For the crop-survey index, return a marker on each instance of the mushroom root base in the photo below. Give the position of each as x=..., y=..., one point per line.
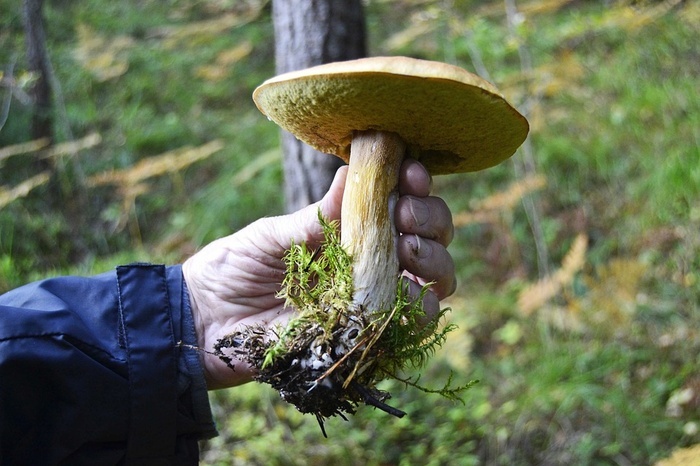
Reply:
x=330, y=356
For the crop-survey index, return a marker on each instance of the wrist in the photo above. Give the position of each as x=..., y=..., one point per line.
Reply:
x=217, y=373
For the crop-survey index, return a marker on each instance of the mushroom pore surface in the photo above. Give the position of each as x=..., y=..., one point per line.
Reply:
x=451, y=120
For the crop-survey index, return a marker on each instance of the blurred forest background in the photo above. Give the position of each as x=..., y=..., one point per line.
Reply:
x=578, y=259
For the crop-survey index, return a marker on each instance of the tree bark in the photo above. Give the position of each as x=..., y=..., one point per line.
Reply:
x=309, y=33
x=38, y=63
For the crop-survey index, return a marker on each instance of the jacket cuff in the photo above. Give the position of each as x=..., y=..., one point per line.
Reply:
x=190, y=360
x=166, y=380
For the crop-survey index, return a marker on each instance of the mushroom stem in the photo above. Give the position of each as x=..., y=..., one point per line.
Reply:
x=368, y=231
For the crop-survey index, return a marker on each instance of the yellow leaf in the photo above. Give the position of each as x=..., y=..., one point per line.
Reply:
x=409, y=35
x=233, y=55
x=536, y=295
x=105, y=58
x=197, y=32
x=487, y=210
x=73, y=147
x=690, y=13
x=213, y=73
x=168, y=162
x=689, y=456
x=7, y=195
x=69, y=147
x=224, y=62
x=543, y=6
x=256, y=166
x=23, y=148
x=513, y=194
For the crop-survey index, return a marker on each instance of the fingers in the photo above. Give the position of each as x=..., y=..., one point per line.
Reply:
x=332, y=201
x=414, y=179
x=430, y=261
x=428, y=217
x=416, y=212
x=426, y=228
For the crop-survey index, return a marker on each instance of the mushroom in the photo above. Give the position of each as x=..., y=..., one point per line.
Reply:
x=374, y=112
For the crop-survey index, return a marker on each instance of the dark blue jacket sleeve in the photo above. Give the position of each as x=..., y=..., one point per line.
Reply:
x=101, y=370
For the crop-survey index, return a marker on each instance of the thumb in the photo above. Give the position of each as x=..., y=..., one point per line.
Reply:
x=332, y=201
x=303, y=225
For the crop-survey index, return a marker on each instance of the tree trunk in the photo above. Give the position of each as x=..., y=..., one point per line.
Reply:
x=309, y=33
x=38, y=63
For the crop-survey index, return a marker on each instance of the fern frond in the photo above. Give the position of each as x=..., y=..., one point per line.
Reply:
x=447, y=390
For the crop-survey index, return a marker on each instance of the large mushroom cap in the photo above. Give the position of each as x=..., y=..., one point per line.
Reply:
x=452, y=120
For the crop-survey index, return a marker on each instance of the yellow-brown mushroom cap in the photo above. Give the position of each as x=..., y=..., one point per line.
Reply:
x=452, y=120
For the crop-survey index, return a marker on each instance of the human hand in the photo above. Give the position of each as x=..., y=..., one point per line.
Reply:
x=233, y=282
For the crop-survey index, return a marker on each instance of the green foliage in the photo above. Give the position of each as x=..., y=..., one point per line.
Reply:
x=321, y=280
x=318, y=285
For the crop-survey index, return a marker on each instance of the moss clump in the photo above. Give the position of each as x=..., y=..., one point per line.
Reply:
x=330, y=356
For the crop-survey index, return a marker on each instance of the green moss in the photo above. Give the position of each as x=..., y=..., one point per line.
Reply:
x=318, y=285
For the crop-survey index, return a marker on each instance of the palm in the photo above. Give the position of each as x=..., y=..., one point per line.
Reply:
x=237, y=277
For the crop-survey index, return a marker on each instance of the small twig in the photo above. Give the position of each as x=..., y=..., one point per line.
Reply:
x=180, y=344
x=372, y=400
x=340, y=361
x=374, y=338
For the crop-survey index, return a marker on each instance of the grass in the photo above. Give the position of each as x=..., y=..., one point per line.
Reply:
x=592, y=375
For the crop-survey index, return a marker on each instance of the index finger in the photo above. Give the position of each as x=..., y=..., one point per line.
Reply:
x=414, y=179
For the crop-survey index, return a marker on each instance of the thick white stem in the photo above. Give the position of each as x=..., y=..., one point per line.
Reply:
x=367, y=219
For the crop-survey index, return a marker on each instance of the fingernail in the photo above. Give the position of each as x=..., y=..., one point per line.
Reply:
x=420, y=212
x=422, y=249
x=425, y=173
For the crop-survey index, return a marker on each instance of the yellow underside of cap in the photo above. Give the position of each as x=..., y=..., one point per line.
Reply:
x=452, y=120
